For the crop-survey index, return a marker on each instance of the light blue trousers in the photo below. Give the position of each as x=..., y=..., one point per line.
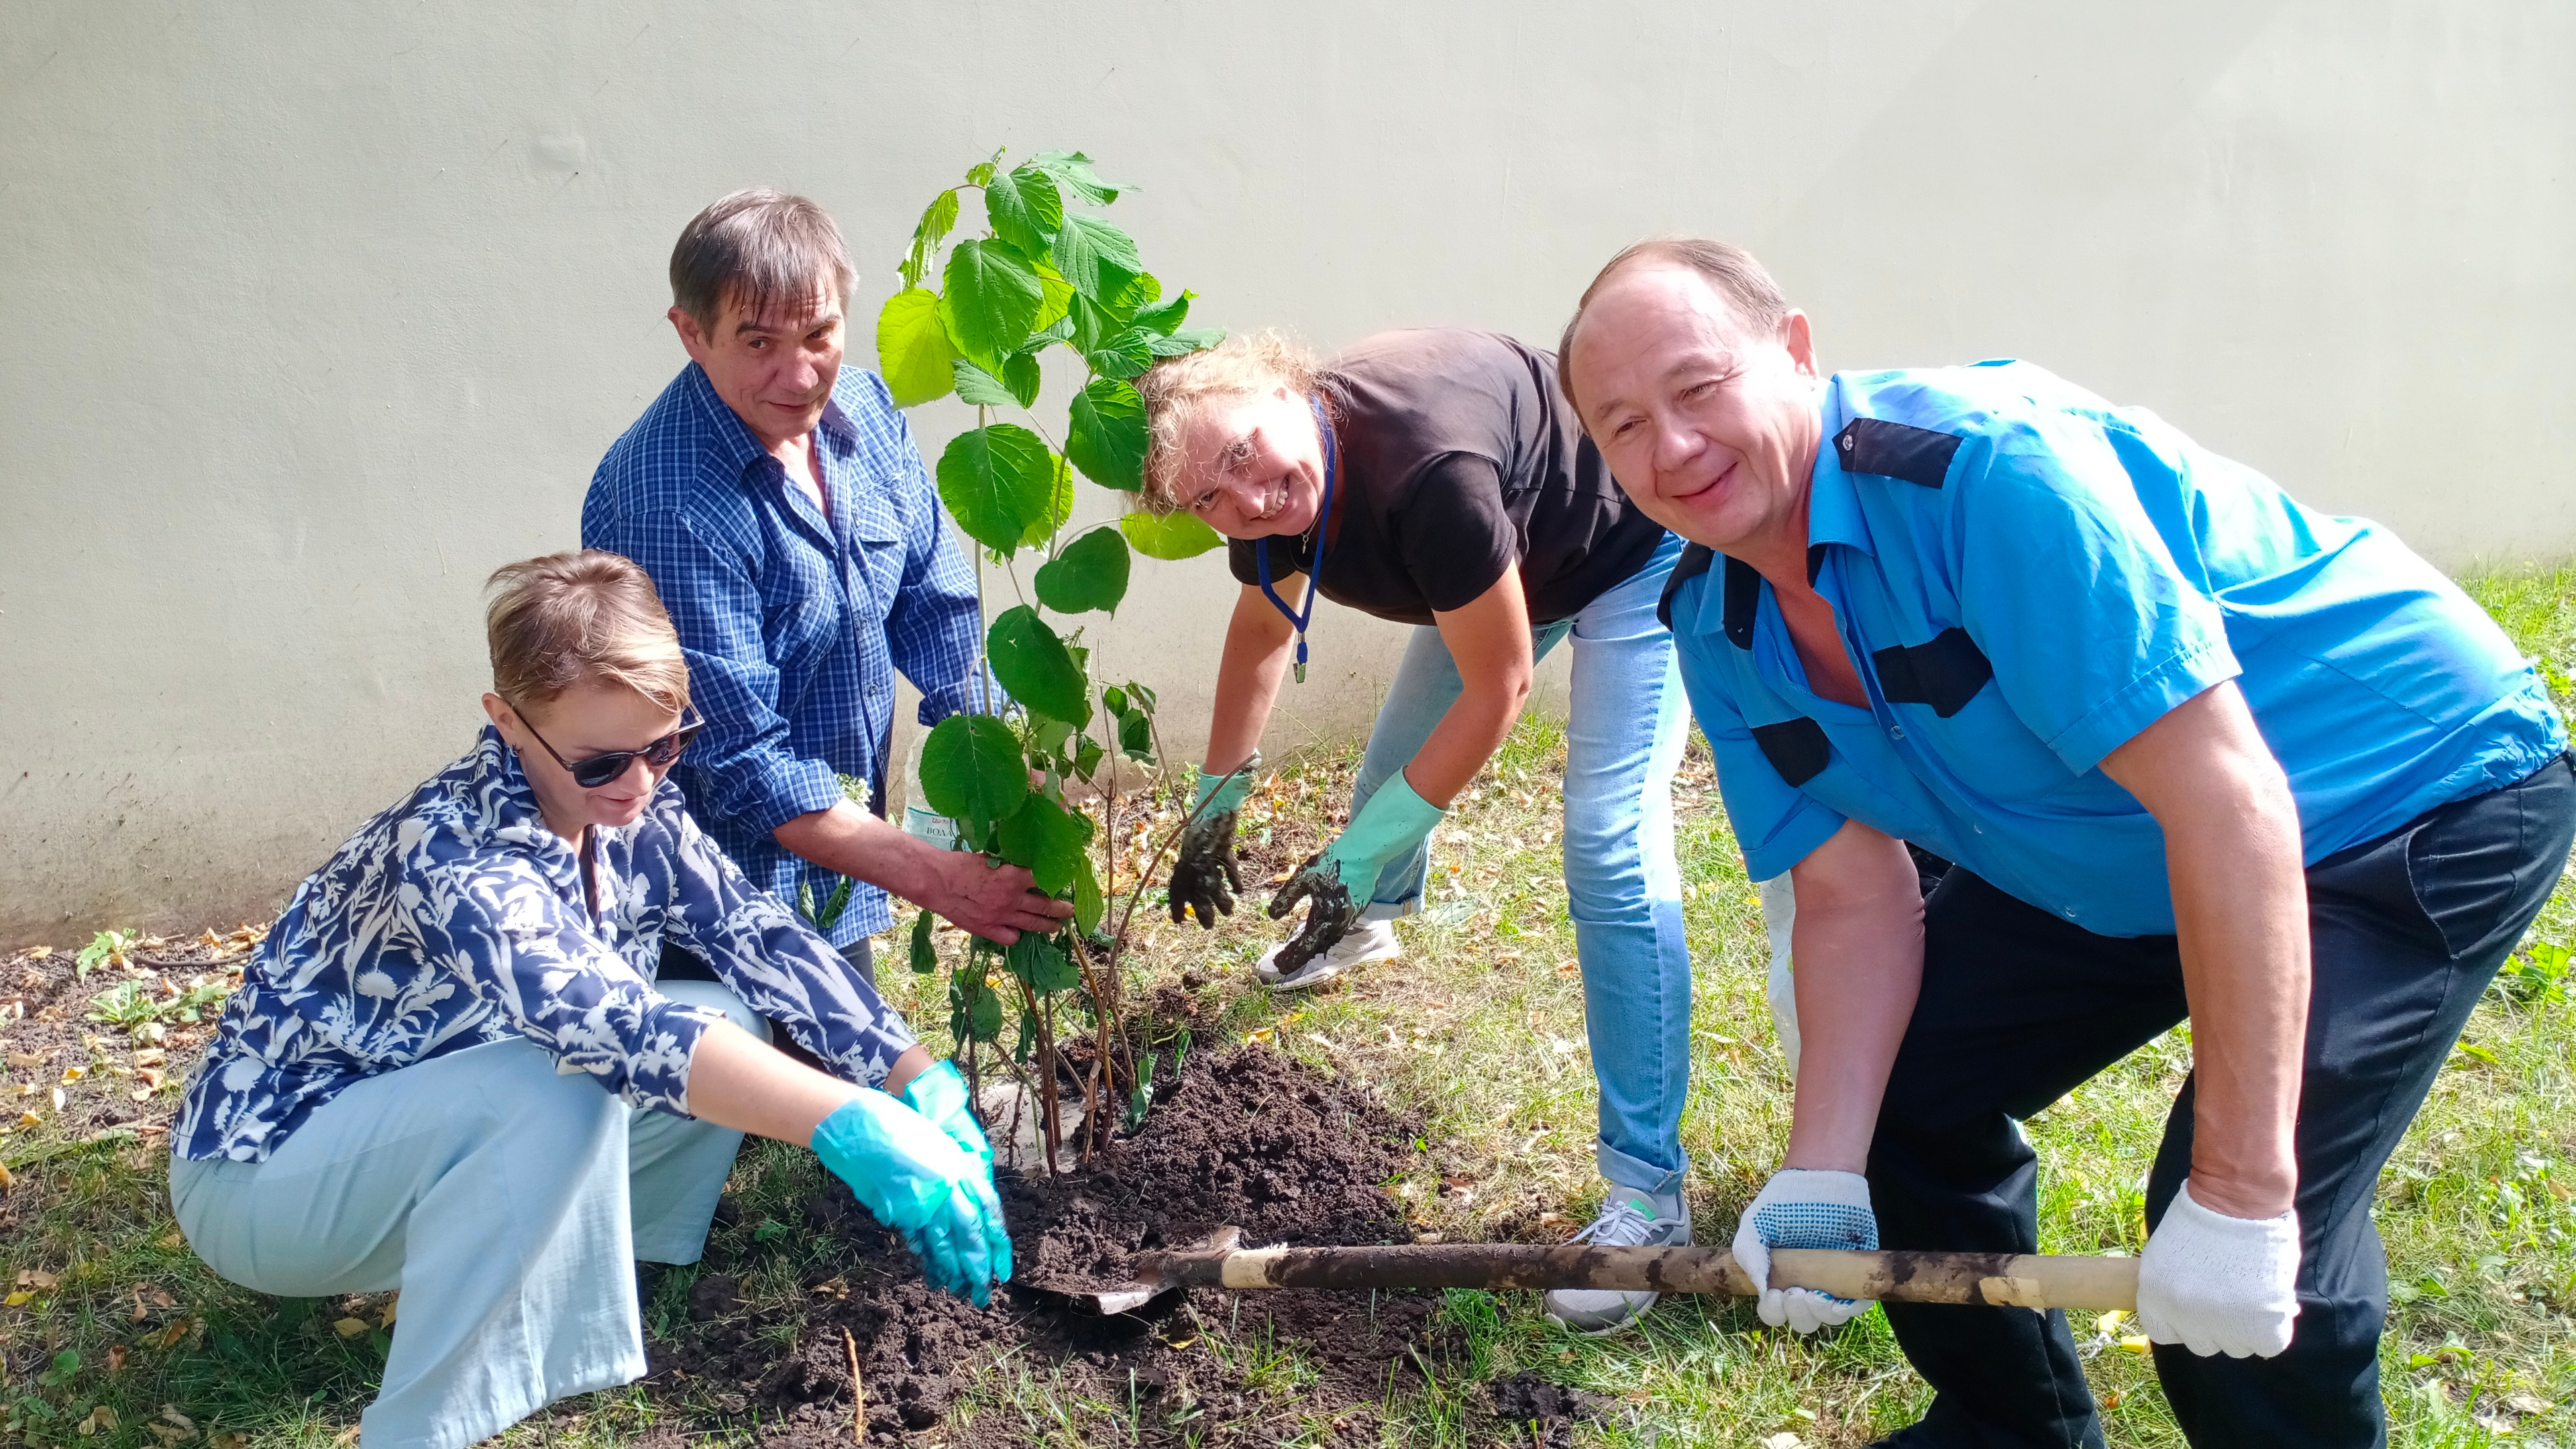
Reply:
x=506, y=1201
x=1624, y=740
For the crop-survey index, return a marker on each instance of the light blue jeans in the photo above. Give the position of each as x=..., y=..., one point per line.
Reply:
x=1623, y=741
x=507, y=1202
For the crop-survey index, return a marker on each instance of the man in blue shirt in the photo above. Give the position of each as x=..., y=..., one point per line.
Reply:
x=2197, y=752
x=784, y=514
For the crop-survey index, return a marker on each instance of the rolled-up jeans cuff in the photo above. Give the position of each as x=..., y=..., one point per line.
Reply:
x=1391, y=910
x=1636, y=1172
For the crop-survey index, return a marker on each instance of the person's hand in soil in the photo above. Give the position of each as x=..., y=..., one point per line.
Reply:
x=1339, y=878
x=940, y=1095
x=1205, y=878
x=918, y=1181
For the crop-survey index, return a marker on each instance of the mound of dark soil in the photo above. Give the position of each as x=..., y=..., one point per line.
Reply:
x=1246, y=1137
x=1530, y=1409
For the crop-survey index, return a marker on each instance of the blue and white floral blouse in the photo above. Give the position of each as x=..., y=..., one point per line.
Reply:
x=457, y=918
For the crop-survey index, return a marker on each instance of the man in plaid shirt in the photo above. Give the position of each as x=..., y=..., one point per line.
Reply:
x=784, y=514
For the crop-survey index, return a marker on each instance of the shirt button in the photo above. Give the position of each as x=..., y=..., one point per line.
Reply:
x=2070, y=913
x=1896, y=732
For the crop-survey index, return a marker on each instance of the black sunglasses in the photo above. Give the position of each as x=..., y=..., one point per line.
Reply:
x=599, y=770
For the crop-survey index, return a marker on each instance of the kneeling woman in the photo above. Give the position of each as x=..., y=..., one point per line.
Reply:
x=1437, y=478
x=450, y=1069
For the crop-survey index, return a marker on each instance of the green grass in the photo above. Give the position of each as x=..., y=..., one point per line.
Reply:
x=1479, y=1028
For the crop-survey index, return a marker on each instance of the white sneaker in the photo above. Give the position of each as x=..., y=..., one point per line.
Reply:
x=1629, y=1218
x=1364, y=941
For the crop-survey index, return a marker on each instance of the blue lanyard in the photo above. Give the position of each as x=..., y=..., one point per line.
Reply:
x=1323, y=531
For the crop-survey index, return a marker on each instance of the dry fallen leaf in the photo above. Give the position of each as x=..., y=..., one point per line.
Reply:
x=2137, y=1343
x=349, y=1327
x=150, y=1057
x=39, y=953
x=168, y=1433
x=386, y=1320
x=2527, y=1404
x=5, y=1179
x=30, y=1119
x=226, y=1439
x=171, y=1413
x=346, y=1436
x=177, y=1330
x=37, y=1278
x=116, y=1358
x=18, y=1298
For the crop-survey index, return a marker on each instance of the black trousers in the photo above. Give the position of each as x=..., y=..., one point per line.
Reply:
x=2019, y=1007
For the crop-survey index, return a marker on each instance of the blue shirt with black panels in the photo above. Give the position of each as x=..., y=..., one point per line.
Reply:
x=2029, y=576
x=794, y=623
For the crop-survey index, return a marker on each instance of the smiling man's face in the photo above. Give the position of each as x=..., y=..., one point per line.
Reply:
x=775, y=369
x=1709, y=425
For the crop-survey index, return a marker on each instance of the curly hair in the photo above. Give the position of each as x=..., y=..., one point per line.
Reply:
x=1176, y=388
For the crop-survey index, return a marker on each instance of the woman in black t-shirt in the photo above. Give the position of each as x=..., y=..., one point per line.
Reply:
x=1437, y=478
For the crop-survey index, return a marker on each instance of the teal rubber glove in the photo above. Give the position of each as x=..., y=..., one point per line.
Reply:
x=1205, y=879
x=918, y=1182
x=1336, y=879
x=940, y=1096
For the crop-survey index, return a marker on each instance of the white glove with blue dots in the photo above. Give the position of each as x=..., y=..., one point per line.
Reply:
x=1804, y=1208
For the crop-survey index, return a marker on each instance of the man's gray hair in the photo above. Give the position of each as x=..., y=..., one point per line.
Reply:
x=759, y=247
x=1731, y=270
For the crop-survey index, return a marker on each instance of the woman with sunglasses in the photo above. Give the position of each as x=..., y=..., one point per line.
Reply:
x=1437, y=478
x=450, y=1068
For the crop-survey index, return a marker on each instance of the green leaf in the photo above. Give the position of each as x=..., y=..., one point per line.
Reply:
x=1036, y=668
x=1057, y=305
x=826, y=918
x=1053, y=513
x=989, y=300
x=1022, y=377
x=1097, y=257
x=981, y=173
x=1049, y=840
x=1091, y=573
x=1039, y=961
x=1167, y=535
x=972, y=771
x=925, y=956
x=996, y=481
x=1125, y=355
x=1136, y=737
x=936, y=221
x=1025, y=208
x=979, y=388
x=805, y=900
x=1189, y=339
x=1074, y=170
x=912, y=347
x=1087, y=755
x=1088, y=904
x=1107, y=440
x=983, y=1010
x=1165, y=317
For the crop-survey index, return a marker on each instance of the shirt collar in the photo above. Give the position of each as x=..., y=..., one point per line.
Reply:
x=1833, y=516
x=507, y=812
x=726, y=432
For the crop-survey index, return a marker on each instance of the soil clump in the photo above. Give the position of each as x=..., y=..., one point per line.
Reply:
x=1243, y=1136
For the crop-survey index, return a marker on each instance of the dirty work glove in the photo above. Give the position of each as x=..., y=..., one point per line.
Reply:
x=918, y=1182
x=1338, y=878
x=2217, y=1284
x=1204, y=877
x=1803, y=1208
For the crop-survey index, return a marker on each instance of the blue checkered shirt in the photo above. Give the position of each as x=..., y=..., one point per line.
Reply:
x=794, y=624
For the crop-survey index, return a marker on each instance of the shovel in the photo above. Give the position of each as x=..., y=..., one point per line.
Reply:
x=2002, y=1280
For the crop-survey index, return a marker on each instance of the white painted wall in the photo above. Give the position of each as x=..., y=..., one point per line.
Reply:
x=320, y=311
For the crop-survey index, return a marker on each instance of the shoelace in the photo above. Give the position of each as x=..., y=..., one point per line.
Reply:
x=1619, y=1226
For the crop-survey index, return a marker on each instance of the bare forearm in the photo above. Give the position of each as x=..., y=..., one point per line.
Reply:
x=2240, y=894
x=1858, y=945
x=737, y=1081
x=1258, y=644
x=1465, y=739
x=2241, y=913
x=852, y=842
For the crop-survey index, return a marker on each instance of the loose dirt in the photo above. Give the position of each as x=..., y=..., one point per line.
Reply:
x=1244, y=1137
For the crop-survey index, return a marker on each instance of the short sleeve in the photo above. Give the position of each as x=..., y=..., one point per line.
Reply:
x=1776, y=824
x=1453, y=534
x=2093, y=623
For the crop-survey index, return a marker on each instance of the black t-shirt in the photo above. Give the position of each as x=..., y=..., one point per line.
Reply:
x=1458, y=456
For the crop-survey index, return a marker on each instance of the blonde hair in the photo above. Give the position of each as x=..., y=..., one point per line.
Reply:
x=570, y=618
x=1176, y=388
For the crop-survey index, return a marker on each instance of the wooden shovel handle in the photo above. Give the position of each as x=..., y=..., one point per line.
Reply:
x=2016, y=1280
